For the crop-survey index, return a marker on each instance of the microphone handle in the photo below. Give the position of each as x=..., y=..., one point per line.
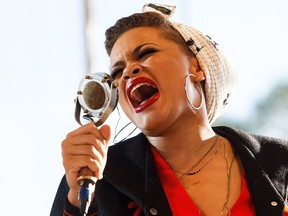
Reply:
x=86, y=180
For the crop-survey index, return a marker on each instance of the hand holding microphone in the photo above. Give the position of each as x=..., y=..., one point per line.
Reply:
x=85, y=149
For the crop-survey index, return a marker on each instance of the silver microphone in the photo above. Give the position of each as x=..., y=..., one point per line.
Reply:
x=97, y=97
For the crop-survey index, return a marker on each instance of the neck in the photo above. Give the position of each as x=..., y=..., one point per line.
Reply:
x=181, y=146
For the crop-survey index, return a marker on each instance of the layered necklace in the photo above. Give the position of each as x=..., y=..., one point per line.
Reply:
x=190, y=171
x=229, y=172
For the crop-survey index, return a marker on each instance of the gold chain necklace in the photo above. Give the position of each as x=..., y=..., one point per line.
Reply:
x=229, y=171
x=188, y=172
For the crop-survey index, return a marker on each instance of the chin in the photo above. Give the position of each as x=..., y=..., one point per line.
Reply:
x=152, y=125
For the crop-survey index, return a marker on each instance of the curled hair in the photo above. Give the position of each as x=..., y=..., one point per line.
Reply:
x=148, y=19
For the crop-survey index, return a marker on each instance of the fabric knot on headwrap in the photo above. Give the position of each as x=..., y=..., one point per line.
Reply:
x=219, y=72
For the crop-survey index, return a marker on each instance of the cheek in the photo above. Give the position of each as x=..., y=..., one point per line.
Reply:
x=122, y=99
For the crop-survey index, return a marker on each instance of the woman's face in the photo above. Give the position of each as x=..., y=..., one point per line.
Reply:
x=151, y=72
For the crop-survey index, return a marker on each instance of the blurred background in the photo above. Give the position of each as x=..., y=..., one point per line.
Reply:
x=47, y=46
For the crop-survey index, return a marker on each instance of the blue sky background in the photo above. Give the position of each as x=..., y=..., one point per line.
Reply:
x=43, y=58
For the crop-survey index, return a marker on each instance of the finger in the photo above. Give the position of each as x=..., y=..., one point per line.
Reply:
x=69, y=145
x=79, y=130
x=106, y=132
x=75, y=163
x=96, y=153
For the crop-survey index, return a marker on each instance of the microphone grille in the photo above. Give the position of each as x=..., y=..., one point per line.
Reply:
x=94, y=95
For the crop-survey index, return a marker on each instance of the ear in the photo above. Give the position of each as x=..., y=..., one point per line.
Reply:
x=195, y=69
x=200, y=76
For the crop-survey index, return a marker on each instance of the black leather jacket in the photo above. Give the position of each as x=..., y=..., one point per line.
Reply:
x=130, y=177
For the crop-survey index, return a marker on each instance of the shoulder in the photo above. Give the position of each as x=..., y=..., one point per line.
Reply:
x=271, y=153
x=258, y=144
x=259, y=152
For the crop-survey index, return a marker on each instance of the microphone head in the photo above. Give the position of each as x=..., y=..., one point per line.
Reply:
x=94, y=95
x=97, y=97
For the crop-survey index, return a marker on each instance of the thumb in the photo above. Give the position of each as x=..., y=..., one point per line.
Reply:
x=106, y=132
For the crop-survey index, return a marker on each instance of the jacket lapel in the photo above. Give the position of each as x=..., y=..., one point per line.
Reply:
x=135, y=174
x=266, y=196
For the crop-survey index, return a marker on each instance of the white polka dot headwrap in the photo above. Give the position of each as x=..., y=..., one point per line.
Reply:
x=219, y=73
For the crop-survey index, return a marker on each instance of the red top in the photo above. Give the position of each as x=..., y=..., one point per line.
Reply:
x=181, y=203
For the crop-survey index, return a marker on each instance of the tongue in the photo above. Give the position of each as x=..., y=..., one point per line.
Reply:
x=144, y=92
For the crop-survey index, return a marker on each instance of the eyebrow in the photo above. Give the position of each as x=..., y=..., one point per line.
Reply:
x=134, y=52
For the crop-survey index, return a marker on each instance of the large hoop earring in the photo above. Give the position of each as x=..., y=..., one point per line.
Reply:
x=187, y=95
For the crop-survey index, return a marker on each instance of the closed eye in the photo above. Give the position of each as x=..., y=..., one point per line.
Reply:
x=116, y=73
x=146, y=52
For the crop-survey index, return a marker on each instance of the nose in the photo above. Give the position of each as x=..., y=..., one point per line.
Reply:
x=130, y=71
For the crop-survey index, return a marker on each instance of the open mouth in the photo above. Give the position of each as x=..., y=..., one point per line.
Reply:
x=142, y=92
